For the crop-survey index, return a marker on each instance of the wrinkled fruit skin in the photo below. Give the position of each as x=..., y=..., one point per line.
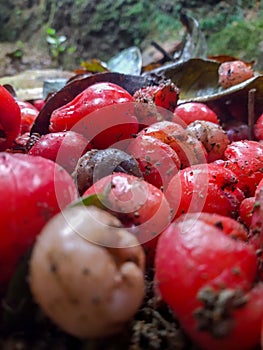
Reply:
x=10, y=119
x=164, y=95
x=33, y=189
x=95, y=164
x=208, y=281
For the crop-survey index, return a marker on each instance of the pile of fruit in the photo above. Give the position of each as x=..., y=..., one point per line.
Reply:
x=129, y=212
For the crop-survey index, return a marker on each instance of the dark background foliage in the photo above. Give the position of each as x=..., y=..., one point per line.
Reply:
x=101, y=28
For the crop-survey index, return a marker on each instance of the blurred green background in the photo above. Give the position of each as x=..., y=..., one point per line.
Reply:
x=84, y=29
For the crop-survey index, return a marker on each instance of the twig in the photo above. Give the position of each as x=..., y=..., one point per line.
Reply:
x=251, y=113
x=162, y=50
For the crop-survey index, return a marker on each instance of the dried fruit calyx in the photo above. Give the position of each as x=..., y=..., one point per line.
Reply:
x=215, y=314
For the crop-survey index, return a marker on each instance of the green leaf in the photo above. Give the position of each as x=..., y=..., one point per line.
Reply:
x=71, y=49
x=94, y=199
x=18, y=53
x=51, y=31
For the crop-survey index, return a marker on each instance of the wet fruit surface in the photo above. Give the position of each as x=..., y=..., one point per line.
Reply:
x=143, y=225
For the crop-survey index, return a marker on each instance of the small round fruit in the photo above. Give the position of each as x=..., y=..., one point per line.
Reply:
x=33, y=189
x=203, y=274
x=10, y=119
x=189, y=150
x=95, y=164
x=87, y=274
x=234, y=72
x=29, y=114
x=158, y=161
x=141, y=207
x=212, y=136
x=204, y=188
x=103, y=113
x=64, y=148
x=246, y=210
x=236, y=130
x=245, y=159
x=192, y=111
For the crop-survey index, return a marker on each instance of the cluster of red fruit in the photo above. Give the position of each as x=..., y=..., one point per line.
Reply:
x=190, y=191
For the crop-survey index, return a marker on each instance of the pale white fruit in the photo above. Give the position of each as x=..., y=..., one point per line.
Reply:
x=87, y=273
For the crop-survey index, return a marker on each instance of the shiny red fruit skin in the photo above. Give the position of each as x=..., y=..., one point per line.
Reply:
x=39, y=104
x=192, y=257
x=10, y=119
x=204, y=188
x=103, y=113
x=192, y=111
x=256, y=226
x=246, y=210
x=261, y=341
x=33, y=189
x=157, y=160
x=227, y=225
x=134, y=200
x=91, y=99
x=64, y=148
x=28, y=115
x=140, y=206
x=245, y=159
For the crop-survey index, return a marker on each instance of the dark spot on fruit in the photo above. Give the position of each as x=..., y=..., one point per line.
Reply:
x=86, y=271
x=219, y=224
x=53, y=267
x=236, y=271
